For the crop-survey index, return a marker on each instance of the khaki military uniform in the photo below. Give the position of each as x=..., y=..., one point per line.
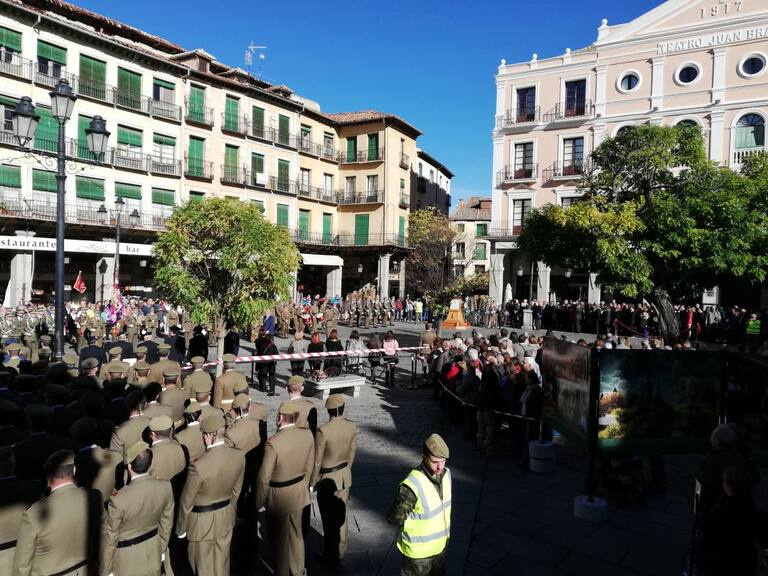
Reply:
x=195, y=376
x=128, y=433
x=174, y=397
x=307, y=413
x=168, y=459
x=110, y=367
x=330, y=320
x=283, y=487
x=156, y=370
x=223, y=391
x=192, y=439
x=155, y=409
x=207, y=508
x=104, y=478
x=15, y=496
x=335, y=447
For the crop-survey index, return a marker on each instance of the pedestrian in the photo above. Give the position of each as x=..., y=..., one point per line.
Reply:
x=390, y=346
x=422, y=512
x=315, y=345
x=356, y=347
x=332, y=365
x=297, y=346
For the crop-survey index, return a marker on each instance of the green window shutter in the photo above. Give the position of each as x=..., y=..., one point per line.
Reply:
x=479, y=251
x=10, y=39
x=196, y=197
x=132, y=191
x=481, y=230
x=89, y=188
x=283, y=173
x=196, y=104
x=164, y=84
x=10, y=176
x=195, y=156
x=47, y=132
x=129, y=136
x=283, y=126
x=164, y=140
x=402, y=227
x=163, y=197
x=304, y=224
x=258, y=121
x=93, y=75
x=230, y=156
x=327, y=221
x=83, y=122
x=351, y=149
x=373, y=146
x=257, y=163
x=231, y=113
x=282, y=215
x=260, y=205
x=361, y=229
x=402, y=184
x=51, y=52
x=128, y=88
x=43, y=180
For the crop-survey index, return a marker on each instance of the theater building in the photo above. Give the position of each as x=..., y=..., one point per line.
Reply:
x=686, y=61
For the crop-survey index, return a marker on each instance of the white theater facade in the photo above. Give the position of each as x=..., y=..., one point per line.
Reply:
x=686, y=61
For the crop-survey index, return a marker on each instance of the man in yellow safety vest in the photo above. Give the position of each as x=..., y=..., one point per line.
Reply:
x=422, y=510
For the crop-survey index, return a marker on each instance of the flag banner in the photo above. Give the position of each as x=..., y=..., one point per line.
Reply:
x=79, y=284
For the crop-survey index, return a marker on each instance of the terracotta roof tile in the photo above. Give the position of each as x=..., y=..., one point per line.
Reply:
x=470, y=209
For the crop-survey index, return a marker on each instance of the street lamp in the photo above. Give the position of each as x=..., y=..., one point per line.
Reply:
x=25, y=123
x=118, y=212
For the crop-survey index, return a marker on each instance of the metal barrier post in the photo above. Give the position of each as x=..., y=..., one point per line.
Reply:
x=413, y=371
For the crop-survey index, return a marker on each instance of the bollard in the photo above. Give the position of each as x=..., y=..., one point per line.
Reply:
x=595, y=510
x=542, y=457
x=413, y=371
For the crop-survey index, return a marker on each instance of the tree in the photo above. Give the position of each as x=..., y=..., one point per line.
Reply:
x=224, y=262
x=659, y=220
x=430, y=235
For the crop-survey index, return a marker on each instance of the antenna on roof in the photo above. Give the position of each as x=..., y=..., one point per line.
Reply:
x=250, y=50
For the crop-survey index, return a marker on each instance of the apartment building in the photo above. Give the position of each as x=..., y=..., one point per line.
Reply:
x=184, y=127
x=432, y=182
x=686, y=61
x=471, y=253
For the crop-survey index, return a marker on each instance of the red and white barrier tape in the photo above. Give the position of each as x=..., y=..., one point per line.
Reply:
x=308, y=355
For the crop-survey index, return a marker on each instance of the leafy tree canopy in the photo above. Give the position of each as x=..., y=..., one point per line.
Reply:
x=430, y=235
x=223, y=261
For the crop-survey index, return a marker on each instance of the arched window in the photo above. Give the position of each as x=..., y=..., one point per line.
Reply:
x=687, y=123
x=624, y=130
x=750, y=132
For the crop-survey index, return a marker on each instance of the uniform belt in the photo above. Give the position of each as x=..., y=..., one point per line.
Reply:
x=287, y=482
x=210, y=507
x=71, y=568
x=340, y=466
x=8, y=545
x=138, y=540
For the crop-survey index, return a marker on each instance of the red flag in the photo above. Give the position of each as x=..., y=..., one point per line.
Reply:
x=79, y=284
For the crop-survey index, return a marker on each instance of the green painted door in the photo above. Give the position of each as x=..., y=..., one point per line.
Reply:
x=327, y=222
x=128, y=89
x=231, y=154
x=361, y=229
x=283, y=175
x=402, y=231
x=351, y=149
x=283, y=130
x=232, y=114
x=373, y=146
x=195, y=156
x=93, y=74
x=304, y=224
x=282, y=215
x=196, y=104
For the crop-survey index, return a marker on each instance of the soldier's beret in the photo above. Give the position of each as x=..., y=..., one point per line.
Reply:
x=197, y=360
x=141, y=350
x=115, y=351
x=296, y=380
x=70, y=359
x=44, y=351
x=160, y=423
x=164, y=346
x=114, y=369
x=201, y=386
x=192, y=407
x=89, y=363
x=334, y=401
x=13, y=347
x=58, y=459
x=287, y=409
x=135, y=450
x=241, y=401
x=436, y=446
x=171, y=373
x=141, y=365
x=212, y=423
x=229, y=358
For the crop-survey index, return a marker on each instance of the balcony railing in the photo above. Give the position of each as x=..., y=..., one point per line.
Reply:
x=128, y=158
x=307, y=146
x=363, y=156
x=163, y=166
x=516, y=117
x=364, y=197
x=199, y=169
x=257, y=179
x=329, y=153
x=285, y=138
x=47, y=74
x=13, y=64
x=282, y=185
x=504, y=229
x=514, y=174
x=314, y=238
x=234, y=124
x=199, y=115
x=579, y=109
x=740, y=154
x=317, y=193
x=233, y=175
x=405, y=161
x=162, y=109
x=405, y=200
x=131, y=101
x=373, y=239
x=571, y=169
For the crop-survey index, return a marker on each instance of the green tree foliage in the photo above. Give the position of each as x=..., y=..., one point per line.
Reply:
x=459, y=288
x=659, y=220
x=224, y=262
x=430, y=235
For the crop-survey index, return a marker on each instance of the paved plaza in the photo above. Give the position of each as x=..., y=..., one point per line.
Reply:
x=505, y=520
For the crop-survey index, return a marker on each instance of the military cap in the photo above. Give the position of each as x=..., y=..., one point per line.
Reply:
x=241, y=401
x=135, y=450
x=436, y=446
x=115, y=351
x=89, y=363
x=58, y=459
x=13, y=347
x=141, y=350
x=334, y=401
x=171, y=373
x=160, y=423
x=46, y=338
x=229, y=358
x=192, y=407
x=296, y=380
x=287, y=409
x=164, y=346
x=44, y=351
x=114, y=369
x=141, y=365
x=70, y=359
x=212, y=423
x=202, y=387
x=197, y=360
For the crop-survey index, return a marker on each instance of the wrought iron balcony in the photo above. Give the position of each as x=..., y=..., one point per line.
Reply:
x=48, y=73
x=167, y=110
x=329, y=153
x=131, y=101
x=308, y=147
x=13, y=64
x=163, y=166
x=199, y=115
x=405, y=161
x=363, y=156
x=234, y=124
x=257, y=179
x=504, y=229
x=317, y=193
x=518, y=117
x=373, y=239
x=405, y=200
x=233, y=175
x=363, y=197
x=199, y=169
x=571, y=110
x=284, y=138
x=129, y=158
x=314, y=238
x=510, y=175
x=282, y=185
x=567, y=170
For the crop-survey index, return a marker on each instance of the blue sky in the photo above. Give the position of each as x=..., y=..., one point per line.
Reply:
x=431, y=62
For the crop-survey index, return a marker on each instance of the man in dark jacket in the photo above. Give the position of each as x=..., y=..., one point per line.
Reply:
x=198, y=344
x=488, y=400
x=93, y=351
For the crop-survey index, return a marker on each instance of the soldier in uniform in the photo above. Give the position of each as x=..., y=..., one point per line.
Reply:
x=197, y=374
x=16, y=495
x=115, y=363
x=130, y=431
x=422, y=512
x=330, y=319
x=139, y=376
x=305, y=407
x=209, y=500
x=138, y=520
x=186, y=327
x=335, y=446
x=283, y=488
x=191, y=438
x=223, y=394
x=202, y=391
x=173, y=396
x=164, y=363
x=169, y=457
x=95, y=468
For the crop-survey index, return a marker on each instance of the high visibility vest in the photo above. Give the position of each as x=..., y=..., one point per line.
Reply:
x=427, y=528
x=753, y=328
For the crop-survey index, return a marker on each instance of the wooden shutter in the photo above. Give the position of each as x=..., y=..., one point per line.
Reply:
x=10, y=176
x=10, y=39
x=282, y=215
x=196, y=104
x=327, y=221
x=51, y=52
x=373, y=146
x=304, y=224
x=123, y=190
x=43, y=180
x=47, y=132
x=257, y=121
x=163, y=197
x=89, y=188
x=361, y=229
x=231, y=113
x=351, y=149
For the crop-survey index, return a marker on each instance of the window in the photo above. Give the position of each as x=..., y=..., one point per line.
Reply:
x=83, y=122
x=163, y=91
x=43, y=181
x=327, y=228
x=163, y=202
x=458, y=271
x=480, y=251
x=283, y=175
x=526, y=104
x=624, y=130
x=750, y=132
x=350, y=187
x=129, y=145
x=10, y=43
x=306, y=138
x=258, y=178
x=10, y=176
x=479, y=269
x=89, y=188
x=629, y=82
x=460, y=249
x=401, y=228
x=568, y=201
x=7, y=106
x=575, y=98
x=520, y=211
x=352, y=149
x=231, y=162
x=232, y=114
x=196, y=111
x=260, y=205
x=128, y=89
x=752, y=65
x=304, y=224
x=282, y=215
x=283, y=130
x=51, y=60
x=421, y=170
x=257, y=122
x=523, y=160
x=460, y=228
x=196, y=197
x=328, y=183
x=328, y=145
x=361, y=229
x=431, y=175
x=687, y=73
x=93, y=75
x=304, y=178
x=373, y=147
x=688, y=123
x=131, y=195
x=481, y=229
x=164, y=148
x=402, y=184
x=47, y=132
x=372, y=187
x=573, y=156
x=195, y=157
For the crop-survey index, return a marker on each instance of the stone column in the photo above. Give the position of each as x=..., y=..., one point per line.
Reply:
x=542, y=285
x=401, y=285
x=108, y=279
x=718, y=74
x=593, y=290
x=716, y=132
x=496, y=277
x=19, y=289
x=333, y=282
x=657, y=83
x=601, y=74
x=384, y=275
